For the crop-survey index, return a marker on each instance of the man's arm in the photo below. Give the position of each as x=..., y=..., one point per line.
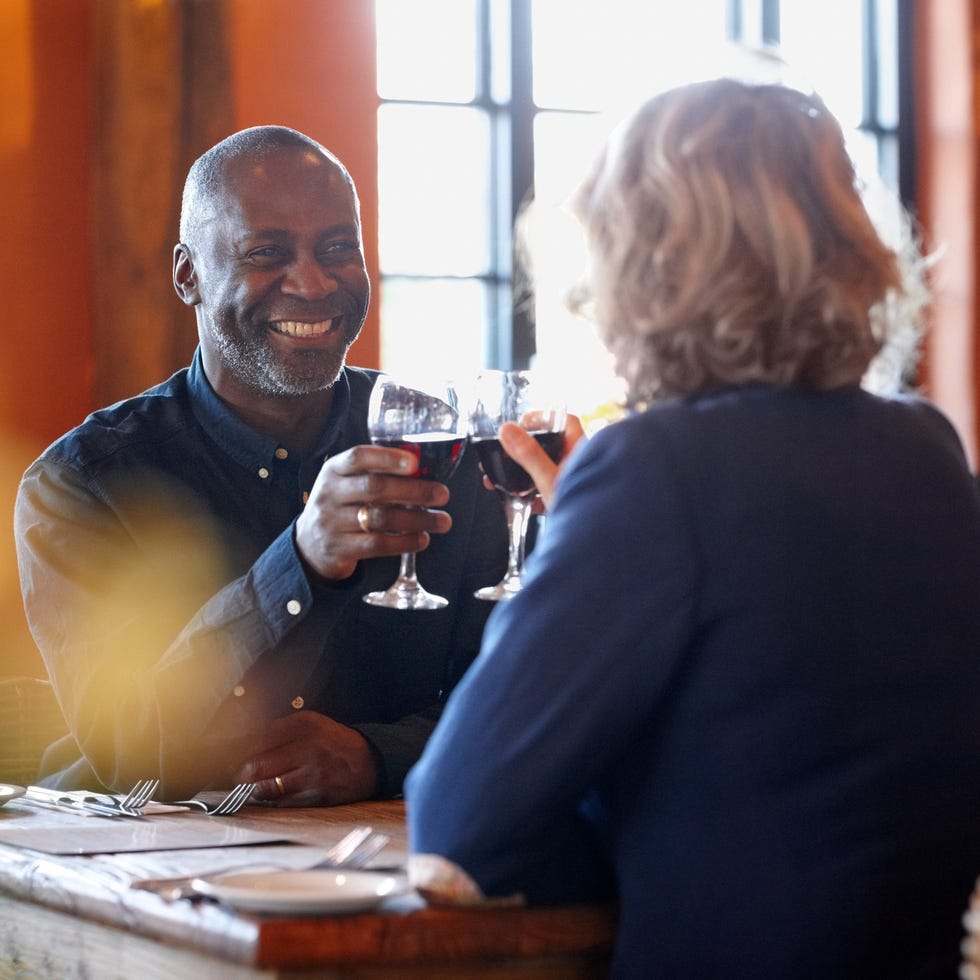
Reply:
x=180, y=667
x=142, y=632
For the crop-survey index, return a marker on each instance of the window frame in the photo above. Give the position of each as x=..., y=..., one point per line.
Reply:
x=510, y=340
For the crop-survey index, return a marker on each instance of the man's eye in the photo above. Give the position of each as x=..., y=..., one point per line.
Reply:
x=265, y=254
x=339, y=251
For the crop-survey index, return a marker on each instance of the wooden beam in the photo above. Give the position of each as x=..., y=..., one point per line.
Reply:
x=161, y=71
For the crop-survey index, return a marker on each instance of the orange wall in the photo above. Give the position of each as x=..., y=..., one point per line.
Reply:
x=46, y=365
x=44, y=252
x=303, y=63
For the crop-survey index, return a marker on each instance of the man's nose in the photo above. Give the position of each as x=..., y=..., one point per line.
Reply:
x=306, y=277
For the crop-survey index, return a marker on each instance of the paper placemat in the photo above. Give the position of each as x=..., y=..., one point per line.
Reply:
x=99, y=835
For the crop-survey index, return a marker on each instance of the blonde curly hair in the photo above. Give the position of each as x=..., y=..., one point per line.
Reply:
x=729, y=243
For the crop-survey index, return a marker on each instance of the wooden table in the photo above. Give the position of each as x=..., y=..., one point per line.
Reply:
x=77, y=916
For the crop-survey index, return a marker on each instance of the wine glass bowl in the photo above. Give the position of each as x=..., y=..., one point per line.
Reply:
x=423, y=419
x=523, y=398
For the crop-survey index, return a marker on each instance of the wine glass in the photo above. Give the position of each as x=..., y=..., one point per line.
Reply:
x=521, y=397
x=424, y=419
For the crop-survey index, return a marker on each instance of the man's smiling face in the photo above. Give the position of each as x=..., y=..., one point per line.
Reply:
x=280, y=274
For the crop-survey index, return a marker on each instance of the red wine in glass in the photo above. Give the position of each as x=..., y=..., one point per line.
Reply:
x=438, y=454
x=505, y=473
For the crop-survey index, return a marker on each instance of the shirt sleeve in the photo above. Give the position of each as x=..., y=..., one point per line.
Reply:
x=569, y=671
x=151, y=680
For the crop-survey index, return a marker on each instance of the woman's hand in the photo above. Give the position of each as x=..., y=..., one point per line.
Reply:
x=524, y=449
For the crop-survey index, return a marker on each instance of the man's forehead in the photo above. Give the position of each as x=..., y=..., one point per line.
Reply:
x=266, y=158
x=261, y=167
x=266, y=183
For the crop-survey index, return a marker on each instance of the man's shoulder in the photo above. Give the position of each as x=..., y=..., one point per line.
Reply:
x=158, y=414
x=361, y=381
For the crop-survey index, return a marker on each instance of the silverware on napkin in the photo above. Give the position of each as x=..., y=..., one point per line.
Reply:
x=76, y=802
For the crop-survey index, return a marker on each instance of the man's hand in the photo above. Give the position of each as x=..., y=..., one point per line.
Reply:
x=396, y=518
x=524, y=449
x=318, y=761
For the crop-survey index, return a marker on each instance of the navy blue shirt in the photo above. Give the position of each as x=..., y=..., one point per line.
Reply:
x=172, y=609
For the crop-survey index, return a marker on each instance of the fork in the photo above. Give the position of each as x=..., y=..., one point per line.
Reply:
x=354, y=850
x=232, y=803
x=139, y=795
x=369, y=849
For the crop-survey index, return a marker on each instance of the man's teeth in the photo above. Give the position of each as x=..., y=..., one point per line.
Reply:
x=294, y=328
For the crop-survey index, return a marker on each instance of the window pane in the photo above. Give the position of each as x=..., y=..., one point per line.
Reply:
x=565, y=75
x=565, y=144
x=434, y=190
x=822, y=42
x=436, y=325
x=585, y=61
x=427, y=49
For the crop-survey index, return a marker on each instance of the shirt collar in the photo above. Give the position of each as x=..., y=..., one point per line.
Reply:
x=254, y=450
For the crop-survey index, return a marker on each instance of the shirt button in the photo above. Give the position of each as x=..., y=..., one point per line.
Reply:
x=294, y=607
x=281, y=453
x=297, y=702
x=306, y=496
x=238, y=691
x=264, y=473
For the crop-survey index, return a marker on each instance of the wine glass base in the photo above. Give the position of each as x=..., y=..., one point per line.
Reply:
x=505, y=589
x=398, y=598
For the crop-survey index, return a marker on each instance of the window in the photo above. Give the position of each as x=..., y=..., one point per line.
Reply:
x=488, y=103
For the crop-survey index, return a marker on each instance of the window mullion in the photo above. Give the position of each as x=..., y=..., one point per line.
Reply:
x=522, y=163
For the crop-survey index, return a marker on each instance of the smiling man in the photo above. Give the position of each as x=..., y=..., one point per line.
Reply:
x=192, y=559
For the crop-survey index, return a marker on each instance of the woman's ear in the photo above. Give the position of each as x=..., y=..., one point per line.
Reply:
x=185, y=281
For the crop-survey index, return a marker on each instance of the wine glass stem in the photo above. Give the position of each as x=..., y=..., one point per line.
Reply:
x=518, y=510
x=407, y=579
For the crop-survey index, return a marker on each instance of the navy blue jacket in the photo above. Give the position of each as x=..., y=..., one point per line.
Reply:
x=747, y=664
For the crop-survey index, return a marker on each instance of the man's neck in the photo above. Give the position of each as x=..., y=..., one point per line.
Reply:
x=296, y=422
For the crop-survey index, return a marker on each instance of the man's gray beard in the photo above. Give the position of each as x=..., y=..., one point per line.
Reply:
x=254, y=363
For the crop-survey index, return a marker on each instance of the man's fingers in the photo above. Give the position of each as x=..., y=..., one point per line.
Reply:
x=374, y=459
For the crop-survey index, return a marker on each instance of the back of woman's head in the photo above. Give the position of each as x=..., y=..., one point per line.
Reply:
x=730, y=244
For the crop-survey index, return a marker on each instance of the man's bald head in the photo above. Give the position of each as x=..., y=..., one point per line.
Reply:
x=206, y=176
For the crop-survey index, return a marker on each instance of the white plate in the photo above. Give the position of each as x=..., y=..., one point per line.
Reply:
x=10, y=792
x=301, y=891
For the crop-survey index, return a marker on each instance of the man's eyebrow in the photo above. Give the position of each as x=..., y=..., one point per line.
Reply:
x=266, y=233
x=345, y=228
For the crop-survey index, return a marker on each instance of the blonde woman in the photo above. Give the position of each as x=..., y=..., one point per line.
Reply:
x=744, y=676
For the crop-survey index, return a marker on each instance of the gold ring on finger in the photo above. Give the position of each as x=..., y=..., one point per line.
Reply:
x=363, y=515
x=279, y=785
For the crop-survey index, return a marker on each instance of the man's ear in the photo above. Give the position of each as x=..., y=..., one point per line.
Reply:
x=185, y=280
